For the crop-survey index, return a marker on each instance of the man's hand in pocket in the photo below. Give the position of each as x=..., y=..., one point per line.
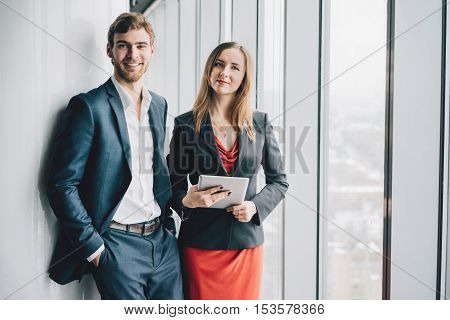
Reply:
x=96, y=260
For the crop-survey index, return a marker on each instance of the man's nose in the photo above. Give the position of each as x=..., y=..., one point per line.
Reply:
x=132, y=52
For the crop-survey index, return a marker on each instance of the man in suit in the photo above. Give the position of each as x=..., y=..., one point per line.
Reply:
x=109, y=185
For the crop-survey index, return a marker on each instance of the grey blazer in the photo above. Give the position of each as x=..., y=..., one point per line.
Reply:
x=194, y=154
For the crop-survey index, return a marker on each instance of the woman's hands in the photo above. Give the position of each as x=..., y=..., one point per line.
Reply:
x=243, y=212
x=204, y=199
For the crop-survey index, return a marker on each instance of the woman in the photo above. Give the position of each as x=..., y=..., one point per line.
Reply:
x=221, y=249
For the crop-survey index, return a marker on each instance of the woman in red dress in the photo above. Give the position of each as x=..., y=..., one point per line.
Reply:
x=222, y=251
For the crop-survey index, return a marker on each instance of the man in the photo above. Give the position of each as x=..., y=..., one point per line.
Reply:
x=109, y=184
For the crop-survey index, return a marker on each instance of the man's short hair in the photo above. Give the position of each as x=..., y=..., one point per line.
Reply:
x=127, y=21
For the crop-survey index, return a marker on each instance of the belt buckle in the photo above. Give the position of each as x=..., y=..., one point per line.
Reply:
x=150, y=224
x=144, y=226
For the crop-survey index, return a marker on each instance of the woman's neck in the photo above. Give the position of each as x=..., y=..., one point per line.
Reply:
x=222, y=107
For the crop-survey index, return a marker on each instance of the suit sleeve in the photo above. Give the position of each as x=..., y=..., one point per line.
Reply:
x=276, y=183
x=169, y=222
x=73, y=146
x=178, y=163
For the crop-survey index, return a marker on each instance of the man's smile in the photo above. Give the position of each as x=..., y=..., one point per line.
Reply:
x=132, y=65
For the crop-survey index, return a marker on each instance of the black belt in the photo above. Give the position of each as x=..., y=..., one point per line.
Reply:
x=144, y=228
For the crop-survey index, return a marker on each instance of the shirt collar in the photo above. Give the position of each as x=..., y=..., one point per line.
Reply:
x=127, y=101
x=146, y=98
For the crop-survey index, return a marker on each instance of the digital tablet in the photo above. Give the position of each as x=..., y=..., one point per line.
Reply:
x=237, y=186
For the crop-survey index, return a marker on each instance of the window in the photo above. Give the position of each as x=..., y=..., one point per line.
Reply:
x=353, y=160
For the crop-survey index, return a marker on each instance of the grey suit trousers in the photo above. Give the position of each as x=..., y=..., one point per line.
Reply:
x=136, y=267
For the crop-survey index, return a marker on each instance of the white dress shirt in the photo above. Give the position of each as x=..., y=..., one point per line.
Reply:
x=139, y=202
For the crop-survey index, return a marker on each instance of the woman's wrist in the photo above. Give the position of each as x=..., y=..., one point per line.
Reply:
x=253, y=208
x=185, y=202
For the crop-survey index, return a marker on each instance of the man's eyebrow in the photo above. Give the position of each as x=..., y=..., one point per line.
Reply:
x=126, y=42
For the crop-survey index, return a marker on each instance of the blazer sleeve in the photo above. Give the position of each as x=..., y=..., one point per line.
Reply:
x=276, y=183
x=73, y=145
x=178, y=163
x=169, y=221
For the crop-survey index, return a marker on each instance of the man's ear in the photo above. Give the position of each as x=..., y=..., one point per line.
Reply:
x=153, y=48
x=109, y=50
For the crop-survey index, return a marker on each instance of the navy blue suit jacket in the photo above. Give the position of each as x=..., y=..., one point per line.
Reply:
x=90, y=174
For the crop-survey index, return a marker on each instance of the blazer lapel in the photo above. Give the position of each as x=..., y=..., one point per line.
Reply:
x=152, y=115
x=207, y=136
x=117, y=107
x=156, y=131
x=244, y=148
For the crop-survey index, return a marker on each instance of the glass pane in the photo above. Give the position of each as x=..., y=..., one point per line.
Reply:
x=270, y=100
x=354, y=105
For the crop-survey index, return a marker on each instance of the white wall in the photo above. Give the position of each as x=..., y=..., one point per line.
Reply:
x=52, y=50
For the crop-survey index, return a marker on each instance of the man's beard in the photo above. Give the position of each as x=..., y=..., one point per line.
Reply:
x=127, y=76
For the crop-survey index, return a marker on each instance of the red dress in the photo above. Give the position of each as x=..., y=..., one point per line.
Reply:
x=222, y=274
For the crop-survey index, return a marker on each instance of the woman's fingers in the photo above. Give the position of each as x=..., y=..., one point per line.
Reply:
x=194, y=188
x=232, y=209
x=213, y=190
x=236, y=210
x=219, y=195
x=240, y=213
x=243, y=212
x=206, y=198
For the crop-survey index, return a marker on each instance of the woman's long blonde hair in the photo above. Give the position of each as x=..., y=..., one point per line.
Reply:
x=241, y=111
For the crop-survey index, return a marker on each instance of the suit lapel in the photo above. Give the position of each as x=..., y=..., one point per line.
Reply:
x=244, y=149
x=117, y=107
x=207, y=136
x=152, y=115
